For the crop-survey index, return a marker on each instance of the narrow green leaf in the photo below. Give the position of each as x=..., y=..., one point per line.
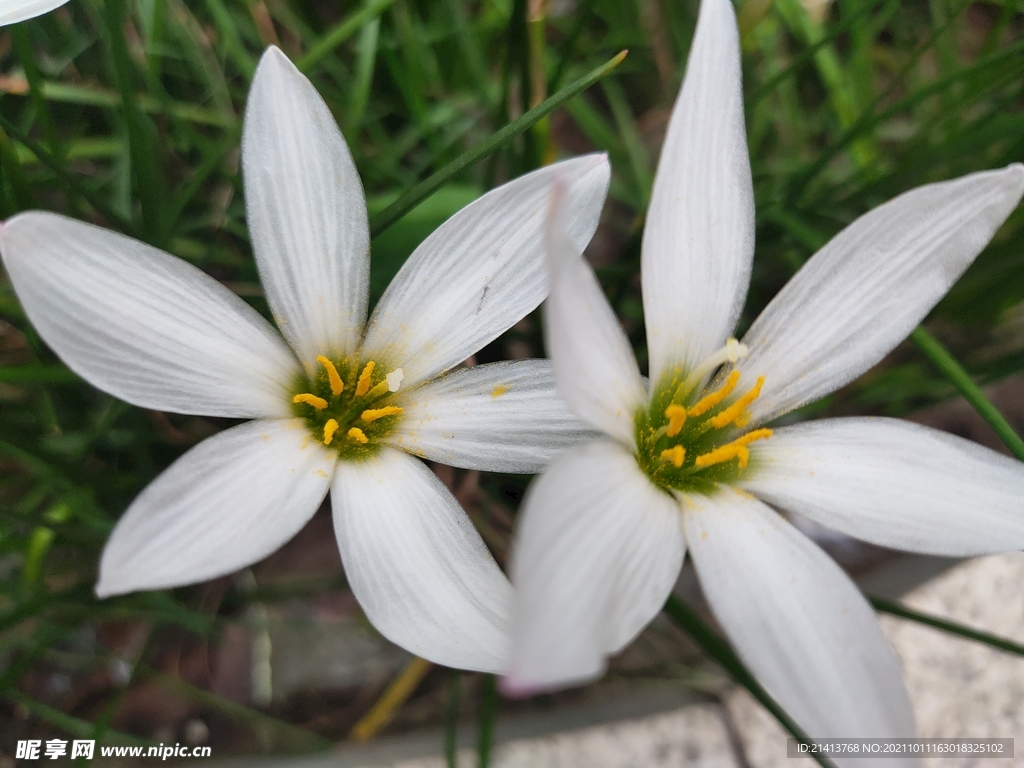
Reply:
x=451, y=720
x=58, y=168
x=37, y=374
x=71, y=724
x=342, y=32
x=719, y=650
x=407, y=201
x=961, y=379
x=488, y=710
x=952, y=627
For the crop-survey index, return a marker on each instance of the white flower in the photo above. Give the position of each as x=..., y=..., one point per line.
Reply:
x=604, y=530
x=13, y=11
x=336, y=407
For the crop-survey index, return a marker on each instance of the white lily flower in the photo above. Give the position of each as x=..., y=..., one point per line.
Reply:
x=335, y=406
x=13, y=11
x=687, y=464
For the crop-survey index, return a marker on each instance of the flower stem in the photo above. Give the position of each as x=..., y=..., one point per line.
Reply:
x=488, y=709
x=451, y=725
x=959, y=378
x=720, y=651
x=414, y=196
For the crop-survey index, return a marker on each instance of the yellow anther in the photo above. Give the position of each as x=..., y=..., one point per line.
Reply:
x=676, y=415
x=373, y=414
x=317, y=402
x=731, y=413
x=737, y=449
x=757, y=434
x=674, y=455
x=363, y=385
x=723, y=454
x=337, y=385
x=708, y=402
x=357, y=434
x=329, y=429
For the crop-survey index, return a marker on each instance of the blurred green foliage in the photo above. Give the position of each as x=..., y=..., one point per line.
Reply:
x=128, y=114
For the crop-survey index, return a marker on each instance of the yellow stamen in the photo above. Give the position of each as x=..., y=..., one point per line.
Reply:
x=373, y=414
x=317, y=402
x=674, y=455
x=329, y=429
x=731, y=413
x=676, y=415
x=708, y=402
x=337, y=385
x=723, y=454
x=363, y=385
x=736, y=449
x=757, y=434
x=357, y=434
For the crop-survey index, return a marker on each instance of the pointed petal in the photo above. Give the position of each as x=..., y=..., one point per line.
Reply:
x=861, y=294
x=894, y=483
x=502, y=417
x=597, y=552
x=796, y=620
x=595, y=368
x=417, y=565
x=480, y=272
x=227, y=503
x=13, y=11
x=306, y=213
x=699, y=238
x=143, y=325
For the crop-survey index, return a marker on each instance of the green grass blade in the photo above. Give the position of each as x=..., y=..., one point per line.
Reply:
x=959, y=378
x=409, y=200
x=720, y=651
x=952, y=627
x=451, y=721
x=488, y=710
x=342, y=32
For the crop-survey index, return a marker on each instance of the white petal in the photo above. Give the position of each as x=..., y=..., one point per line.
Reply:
x=503, y=417
x=143, y=325
x=480, y=272
x=597, y=551
x=13, y=11
x=894, y=483
x=417, y=565
x=699, y=238
x=227, y=503
x=595, y=368
x=796, y=620
x=861, y=294
x=306, y=213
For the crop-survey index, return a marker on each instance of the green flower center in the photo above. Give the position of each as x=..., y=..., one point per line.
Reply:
x=349, y=407
x=691, y=440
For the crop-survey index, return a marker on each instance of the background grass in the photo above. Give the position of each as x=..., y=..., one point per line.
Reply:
x=128, y=114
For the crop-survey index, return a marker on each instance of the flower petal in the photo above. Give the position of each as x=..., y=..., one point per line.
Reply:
x=796, y=620
x=227, y=503
x=894, y=483
x=861, y=294
x=698, y=243
x=306, y=213
x=502, y=417
x=595, y=369
x=417, y=565
x=13, y=11
x=480, y=272
x=597, y=551
x=143, y=325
